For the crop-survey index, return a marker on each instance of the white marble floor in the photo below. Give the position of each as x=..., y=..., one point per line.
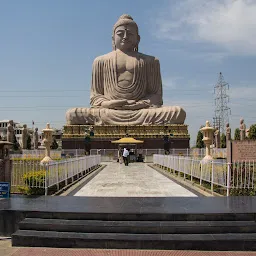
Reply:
x=135, y=180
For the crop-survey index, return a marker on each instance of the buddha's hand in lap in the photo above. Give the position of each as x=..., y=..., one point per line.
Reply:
x=133, y=105
x=113, y=104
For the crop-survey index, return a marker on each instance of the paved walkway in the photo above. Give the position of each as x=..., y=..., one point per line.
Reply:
x=135, y=180
x=7, y=250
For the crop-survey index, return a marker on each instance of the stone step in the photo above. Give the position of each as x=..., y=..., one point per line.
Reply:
x=138, y=227
x=219, y=242
x=154, y=216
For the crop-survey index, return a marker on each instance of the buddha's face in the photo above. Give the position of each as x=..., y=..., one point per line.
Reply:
x=126, y=38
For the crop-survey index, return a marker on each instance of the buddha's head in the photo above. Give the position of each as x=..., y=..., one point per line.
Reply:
x=125, y=35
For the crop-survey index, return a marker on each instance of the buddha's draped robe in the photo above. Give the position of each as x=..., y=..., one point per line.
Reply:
x=146, y=86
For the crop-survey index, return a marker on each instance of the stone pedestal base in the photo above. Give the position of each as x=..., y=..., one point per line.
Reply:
x=46, y=160
x=206, y=159
x=152, y=135
x=5, y=170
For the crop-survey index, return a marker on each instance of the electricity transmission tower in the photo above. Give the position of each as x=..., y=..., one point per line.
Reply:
x=222, y=111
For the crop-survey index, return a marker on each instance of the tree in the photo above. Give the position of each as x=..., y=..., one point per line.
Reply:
x=252, y=132
x=29, y=142
x=199, y=140
x=223, y=141
x=54, y=144
x=237, y=134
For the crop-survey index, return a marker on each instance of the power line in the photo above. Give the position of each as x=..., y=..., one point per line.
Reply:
x=60, y=90
x=40, y=96
x=49, y=108
x=88, y=90
x=81, y=90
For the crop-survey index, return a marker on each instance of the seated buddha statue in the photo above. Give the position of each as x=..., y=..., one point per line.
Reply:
x=126, y=86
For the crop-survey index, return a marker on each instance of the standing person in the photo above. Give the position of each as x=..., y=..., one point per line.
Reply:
x=125, y=156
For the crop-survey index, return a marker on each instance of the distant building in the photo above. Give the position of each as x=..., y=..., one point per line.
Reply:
x=18, y=127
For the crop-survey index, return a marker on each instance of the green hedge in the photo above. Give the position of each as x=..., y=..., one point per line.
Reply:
x=34, y=178
x=242, y=192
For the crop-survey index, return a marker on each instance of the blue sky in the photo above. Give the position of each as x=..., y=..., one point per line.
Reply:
x=47, y=49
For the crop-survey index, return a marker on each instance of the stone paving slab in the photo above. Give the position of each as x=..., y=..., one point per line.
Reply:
x=6, y=248
x=135, y=180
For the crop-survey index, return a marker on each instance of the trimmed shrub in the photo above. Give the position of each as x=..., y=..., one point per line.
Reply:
x=32, y=179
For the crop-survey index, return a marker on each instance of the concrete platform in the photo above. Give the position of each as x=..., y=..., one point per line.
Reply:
x=135, y=180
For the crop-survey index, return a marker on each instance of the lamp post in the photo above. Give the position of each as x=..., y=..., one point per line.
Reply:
x=207, y=139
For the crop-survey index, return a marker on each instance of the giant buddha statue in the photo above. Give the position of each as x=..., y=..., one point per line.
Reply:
x=126, y=86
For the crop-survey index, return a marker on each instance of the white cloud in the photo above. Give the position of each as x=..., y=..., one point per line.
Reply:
x=228, y=24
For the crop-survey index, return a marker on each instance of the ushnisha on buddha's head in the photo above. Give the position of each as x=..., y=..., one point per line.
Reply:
x=125, y=36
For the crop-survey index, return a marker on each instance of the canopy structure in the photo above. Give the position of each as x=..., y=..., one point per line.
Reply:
x=127, y=140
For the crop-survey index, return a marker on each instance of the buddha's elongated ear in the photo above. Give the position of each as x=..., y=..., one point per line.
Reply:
x=113, y=44
x=136, y=48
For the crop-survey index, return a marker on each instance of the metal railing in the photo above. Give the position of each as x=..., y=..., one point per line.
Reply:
x=32, y=154
x=73, y=152
x=35, y=175
x=200, y=152
x=193, y=152
x=112, y=154
x=227, y=175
